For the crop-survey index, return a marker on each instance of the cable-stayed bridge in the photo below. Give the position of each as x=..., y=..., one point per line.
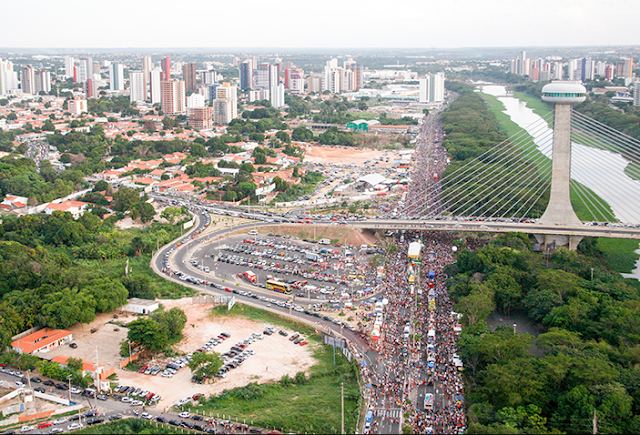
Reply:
x=531, y=182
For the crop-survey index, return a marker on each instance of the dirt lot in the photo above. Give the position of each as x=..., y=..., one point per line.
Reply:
x=339, y=156
x=275, y=356
x=345, y=235
x=105, y=338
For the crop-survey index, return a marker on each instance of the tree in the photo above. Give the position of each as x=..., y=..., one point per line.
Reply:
x=124, y=199
x=171, y=213
x=12, y=116
x=260, y=159
x=205, y=364
x=173, y=321
x=476, y=307
x=108, y=294
x=230, y=195
x=198, y=150
x=283, y=136
x=149, y=334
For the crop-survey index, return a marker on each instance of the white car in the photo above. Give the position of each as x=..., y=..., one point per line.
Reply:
x=126, y=399
x=136, y=403
x=184, y=414
x=74, y=426
x=26, y=428
x=60, y=420
x=75, y=390
x=146, y=416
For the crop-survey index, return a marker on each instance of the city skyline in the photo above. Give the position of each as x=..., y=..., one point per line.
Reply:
x=409, y=24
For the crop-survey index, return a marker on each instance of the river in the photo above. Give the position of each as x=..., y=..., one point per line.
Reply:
x=601, y=171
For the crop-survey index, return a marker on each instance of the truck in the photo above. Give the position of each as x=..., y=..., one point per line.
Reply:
x=428, y=402
x=250, y=276
x=313, y=256
x=412, y=279
x=324, y=242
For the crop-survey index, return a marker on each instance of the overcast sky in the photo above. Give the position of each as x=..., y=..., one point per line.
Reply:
x=323, y=23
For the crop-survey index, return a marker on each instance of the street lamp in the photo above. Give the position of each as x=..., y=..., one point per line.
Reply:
x=514, y=328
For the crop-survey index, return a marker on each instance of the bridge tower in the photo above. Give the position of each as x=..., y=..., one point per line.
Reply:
x=559, y=211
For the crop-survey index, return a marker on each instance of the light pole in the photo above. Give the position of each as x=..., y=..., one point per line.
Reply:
x=514, y=328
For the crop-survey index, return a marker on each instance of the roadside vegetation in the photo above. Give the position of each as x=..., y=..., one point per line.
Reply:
x=56, y=271
x=587, y=353
x=132, y=426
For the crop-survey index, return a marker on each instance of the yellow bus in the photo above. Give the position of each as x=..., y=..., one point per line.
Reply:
x=278, y=286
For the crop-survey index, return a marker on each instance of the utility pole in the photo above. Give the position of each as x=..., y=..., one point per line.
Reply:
x=342, y=404
x=595, y=422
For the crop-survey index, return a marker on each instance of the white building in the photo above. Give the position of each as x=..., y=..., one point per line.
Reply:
x=116, y=77
x=69, y=62
x=77, y=106
x=43, y=81
x=155, y=77
x=195, y=100
x=277, y=96
x=137, y=88
x=636, y=93
x=140, y=306
x=432, y=88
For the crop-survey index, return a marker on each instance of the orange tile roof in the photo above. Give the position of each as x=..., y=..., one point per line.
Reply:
x=86, y=365
x=39, y=339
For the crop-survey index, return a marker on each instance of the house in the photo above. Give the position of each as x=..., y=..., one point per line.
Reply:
x=89, y=368
x=13, y=202
x=76, y=208
x=42, y=341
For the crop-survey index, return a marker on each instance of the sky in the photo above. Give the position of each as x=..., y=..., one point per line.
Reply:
x=319, y=24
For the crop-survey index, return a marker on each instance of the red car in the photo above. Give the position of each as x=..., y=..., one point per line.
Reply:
x=44, y=424
x=143, y=369
x=228, y=289
x=198, y=396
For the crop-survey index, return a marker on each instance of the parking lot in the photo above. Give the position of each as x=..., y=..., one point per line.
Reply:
x=274, y=356
x=325, y=272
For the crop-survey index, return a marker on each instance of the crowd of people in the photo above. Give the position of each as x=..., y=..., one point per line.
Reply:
x=418, y=345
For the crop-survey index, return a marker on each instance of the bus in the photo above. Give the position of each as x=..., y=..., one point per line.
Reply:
x=278, y=286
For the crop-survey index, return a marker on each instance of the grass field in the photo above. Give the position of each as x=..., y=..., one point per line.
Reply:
x=303, y=404
x=619, y=254
x=633, y=170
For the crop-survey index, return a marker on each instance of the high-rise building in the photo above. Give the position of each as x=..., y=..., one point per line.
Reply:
x=146, y=69
x=557, y=71
x=314, y=83
x=69, y=61
x=43, y=81
x=431, y=88
x=84, y=69
x=294, y=80
x=137, y=87
x=227, y=92
x=277, y=95
x=116, y=77
x=246, y=74
x=77, y=106
x=173, y=97
x=523, y=64
x=636, y=93
x=166, y=68
x=224, y=111
x=210, y=77
x=195, y=100
x=189, y=76
x=259, y=95
x=28, y=80
x=155, y=78
x=200, y=117
x=262, y=76
x=91, y=88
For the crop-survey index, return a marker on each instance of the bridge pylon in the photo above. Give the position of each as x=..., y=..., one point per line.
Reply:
x=559, y=210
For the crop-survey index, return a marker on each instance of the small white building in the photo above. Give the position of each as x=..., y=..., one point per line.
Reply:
x=140, y=306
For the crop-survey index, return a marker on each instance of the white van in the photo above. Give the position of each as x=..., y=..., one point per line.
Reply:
x=324, y=242
x=253, y=232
